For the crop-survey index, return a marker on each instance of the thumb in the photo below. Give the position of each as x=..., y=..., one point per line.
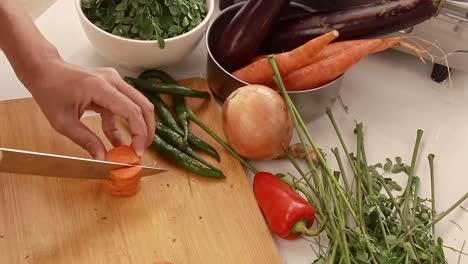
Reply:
x=83, y=136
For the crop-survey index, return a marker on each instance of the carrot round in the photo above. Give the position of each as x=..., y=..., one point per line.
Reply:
x=110, y=187
x=123, y=181
x=329, y=68
x=123, y=154
x=124, y=173
x=260, y=71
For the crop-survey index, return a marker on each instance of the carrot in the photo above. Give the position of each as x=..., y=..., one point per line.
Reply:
x=123, y=181
x=259, y=57
x=123, y=154
x=110, y=187
x=340, y=56
x=329, y=68
x=124, y=173
x=260, y=71
x=335, y=47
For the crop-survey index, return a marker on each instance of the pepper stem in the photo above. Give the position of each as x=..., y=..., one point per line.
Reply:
x=300, y=227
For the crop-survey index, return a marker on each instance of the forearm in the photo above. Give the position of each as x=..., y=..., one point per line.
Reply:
x=22, y=42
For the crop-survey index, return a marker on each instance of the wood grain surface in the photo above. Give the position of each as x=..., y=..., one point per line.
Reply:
x=176, y=216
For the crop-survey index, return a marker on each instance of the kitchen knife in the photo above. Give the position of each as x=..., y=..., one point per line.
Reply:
x=44, y=164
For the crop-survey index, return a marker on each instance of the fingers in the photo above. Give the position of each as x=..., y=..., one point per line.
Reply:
x=141, y=106
x=119, y=104
x=138, y=98
x=81, y=135
x=109, y=126
x=146, y=106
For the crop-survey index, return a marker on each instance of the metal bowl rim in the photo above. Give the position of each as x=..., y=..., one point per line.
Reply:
x=226, y=10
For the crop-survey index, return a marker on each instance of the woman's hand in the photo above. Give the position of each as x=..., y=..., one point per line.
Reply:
x=64, y=91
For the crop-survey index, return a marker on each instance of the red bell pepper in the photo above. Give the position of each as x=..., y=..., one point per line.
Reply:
x=286, y=212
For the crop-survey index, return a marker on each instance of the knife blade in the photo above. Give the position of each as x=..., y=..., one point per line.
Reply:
x=44, y=164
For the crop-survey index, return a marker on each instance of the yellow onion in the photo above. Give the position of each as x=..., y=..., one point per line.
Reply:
x=257, y=123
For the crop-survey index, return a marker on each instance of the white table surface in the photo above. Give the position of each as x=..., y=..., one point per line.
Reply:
x=390, y=92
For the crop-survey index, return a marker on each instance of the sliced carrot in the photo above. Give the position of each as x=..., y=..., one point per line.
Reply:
x=329, y=68
x=110, y=187
x=124, y=173
x=126, y=182
x=260, y=71
x=123, y=181
x=123, y=154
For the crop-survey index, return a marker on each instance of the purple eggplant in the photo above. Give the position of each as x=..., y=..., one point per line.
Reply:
x=363, y=21
x=242, y=38
x=333, y=4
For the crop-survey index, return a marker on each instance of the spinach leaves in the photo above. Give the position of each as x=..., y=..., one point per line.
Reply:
x=145, y=19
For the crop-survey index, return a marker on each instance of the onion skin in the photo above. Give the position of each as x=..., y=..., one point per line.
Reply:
x=257, y=123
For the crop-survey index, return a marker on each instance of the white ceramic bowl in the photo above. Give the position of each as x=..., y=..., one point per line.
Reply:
x=142, y=54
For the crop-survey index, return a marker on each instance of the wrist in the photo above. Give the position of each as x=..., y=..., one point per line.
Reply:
x=31, y=67
x=27, y=50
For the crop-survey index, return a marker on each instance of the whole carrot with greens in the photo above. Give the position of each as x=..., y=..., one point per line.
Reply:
x=336, y=59
x=260, y=72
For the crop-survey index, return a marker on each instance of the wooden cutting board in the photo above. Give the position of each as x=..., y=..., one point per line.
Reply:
x=177, y=216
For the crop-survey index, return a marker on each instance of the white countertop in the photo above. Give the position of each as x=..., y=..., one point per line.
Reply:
x=390, y=92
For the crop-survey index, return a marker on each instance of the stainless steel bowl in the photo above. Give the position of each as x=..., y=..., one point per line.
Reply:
x=309, y=103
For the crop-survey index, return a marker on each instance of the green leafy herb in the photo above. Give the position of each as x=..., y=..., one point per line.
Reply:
x=378, y=221
x=146, y=19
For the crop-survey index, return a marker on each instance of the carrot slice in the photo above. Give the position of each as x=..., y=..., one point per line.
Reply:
x=123, y=181
x=124, y=173
x=123, y=154
x=110, y=187
x=126, y=182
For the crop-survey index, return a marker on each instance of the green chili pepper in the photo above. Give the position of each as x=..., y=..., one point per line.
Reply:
x=168, y=120
x=164, y=88
x=170, y=136
x=164, y=113
x=182, y=159
x=179, y=101
x=157, y=74
x=176, y=140
x=182, y=114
